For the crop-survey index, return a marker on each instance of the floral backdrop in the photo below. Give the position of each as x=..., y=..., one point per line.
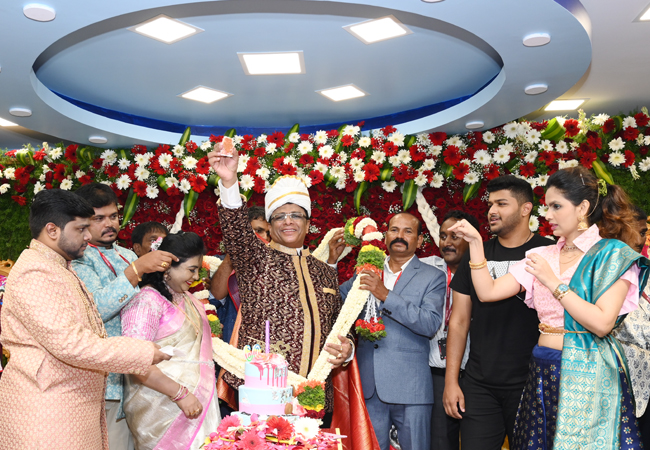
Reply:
x=349, y=171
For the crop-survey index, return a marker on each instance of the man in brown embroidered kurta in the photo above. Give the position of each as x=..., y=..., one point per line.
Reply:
x=280, y=282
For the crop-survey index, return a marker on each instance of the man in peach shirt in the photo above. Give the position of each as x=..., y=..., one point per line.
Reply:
x=52, y=390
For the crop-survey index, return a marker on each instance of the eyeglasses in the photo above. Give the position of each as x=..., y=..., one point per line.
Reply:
x=284, y=216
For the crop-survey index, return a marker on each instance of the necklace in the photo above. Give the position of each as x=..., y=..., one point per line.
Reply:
x=569, y=248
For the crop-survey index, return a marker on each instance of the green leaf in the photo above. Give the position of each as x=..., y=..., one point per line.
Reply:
x=409, y=193
x=86, y=154
x=448, y=170
x=25, y=158
x=130, y=206
x=554, y=131
x=358, y=192
x=602, y=172
x=385, y=174
x=470, y=191
x=190, y=200
x=213, y=179
x=162, y=183
x=230, y=133
x=185, y=136
x=409, y=140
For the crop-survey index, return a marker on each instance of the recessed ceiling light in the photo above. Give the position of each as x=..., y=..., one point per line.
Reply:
x=20, y=112
x=474, y=125
x=564, y=105
x=39, y=13
x=98, y=139
x=537, y=39
x=535, y=89
x=165, y=29
x=280, y=63
x=340, y=93
x=431, y=1
x=645, y=15
x=6, y=123
x=204, y=94
x=376, y=30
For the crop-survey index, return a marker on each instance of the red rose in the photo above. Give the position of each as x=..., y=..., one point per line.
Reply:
x=609, y=126
x=441, y=203
x=641, y=119
x=572, y=127
x=173, y=191
x=643, y=151
x=538, y=191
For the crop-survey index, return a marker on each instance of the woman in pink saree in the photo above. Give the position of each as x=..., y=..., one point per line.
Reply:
x=173, y=406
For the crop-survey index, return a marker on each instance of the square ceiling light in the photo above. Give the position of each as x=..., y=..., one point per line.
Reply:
x=204, y=94
x=279, y=63
x=377, y=30
x=644, y=16
x=564, y=105
x=165, y=29
x=341, y=93
x=6, y=123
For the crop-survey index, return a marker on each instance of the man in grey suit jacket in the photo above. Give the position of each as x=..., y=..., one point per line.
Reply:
x=395, y=373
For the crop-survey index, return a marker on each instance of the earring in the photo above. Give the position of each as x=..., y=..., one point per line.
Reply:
x=166, y=276
x=582, y=224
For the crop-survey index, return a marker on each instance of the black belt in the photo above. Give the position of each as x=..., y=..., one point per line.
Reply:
x=441, y=371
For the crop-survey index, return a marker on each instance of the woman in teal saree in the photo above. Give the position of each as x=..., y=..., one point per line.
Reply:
x=577, y=395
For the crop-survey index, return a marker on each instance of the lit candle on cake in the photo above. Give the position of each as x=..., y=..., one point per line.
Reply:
x=268, y=337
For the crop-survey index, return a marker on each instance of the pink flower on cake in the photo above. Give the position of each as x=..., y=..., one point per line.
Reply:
x=228, y=422
x=279, y=427
x=251, y=441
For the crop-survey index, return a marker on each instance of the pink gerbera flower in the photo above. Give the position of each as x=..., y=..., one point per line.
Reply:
x=251, y=441
x=227, y=422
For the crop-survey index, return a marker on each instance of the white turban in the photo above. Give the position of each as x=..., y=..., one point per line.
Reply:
x=287, y=189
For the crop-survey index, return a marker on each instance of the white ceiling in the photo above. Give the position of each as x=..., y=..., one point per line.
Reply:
x=597, y=51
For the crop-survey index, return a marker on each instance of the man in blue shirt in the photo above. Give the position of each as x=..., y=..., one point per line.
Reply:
x=111, y=273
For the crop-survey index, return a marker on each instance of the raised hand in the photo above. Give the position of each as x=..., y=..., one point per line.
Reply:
x=465, y=230
x=336, y=247
x=370, y=281
x=225, y=167
x=157, y=261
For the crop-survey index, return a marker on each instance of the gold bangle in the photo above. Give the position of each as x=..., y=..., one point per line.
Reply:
x=135, y=271
x=476, y=266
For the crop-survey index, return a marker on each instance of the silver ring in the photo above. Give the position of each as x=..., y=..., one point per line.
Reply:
x=534, y=261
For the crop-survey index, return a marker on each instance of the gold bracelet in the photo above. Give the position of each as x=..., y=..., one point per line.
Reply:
x=136, y=271
x=476, y=266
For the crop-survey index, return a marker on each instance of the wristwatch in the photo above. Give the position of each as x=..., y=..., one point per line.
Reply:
x=560, y=291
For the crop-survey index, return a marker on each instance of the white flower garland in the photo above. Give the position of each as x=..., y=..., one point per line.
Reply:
x=363, y=223
x=214, y=264
x=322, y=252
x=428, y=216
x=375, y=235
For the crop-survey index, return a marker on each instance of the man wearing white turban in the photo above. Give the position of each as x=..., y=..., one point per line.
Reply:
x=281, y=281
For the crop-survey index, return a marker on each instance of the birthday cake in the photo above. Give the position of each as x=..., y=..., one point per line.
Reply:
x=265, y=391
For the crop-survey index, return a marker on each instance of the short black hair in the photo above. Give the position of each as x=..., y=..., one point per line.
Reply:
x=58, y=207
x=138, y=233
x=256, y=213
x=520, y=189
x=460, y=215
x=409, y=214
x=98, y=195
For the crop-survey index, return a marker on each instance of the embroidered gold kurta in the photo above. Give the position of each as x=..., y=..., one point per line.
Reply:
x=52, y=390
x=298, y=294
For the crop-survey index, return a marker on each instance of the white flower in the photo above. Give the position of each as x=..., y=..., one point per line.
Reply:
x=305, y=147
x=246, y=182
x=343, y=157
x=263, y=173
x=271, y=148
x=141, y=173
x=533, y=223
x=389, y=186
x=394, y=160
x=189, y=162
x=152, y=192
x=546, y=145
x=533, y=136
x=364, y=141
x=488, y=137
x=46, y=169
x=142, y=160
x=378, y=156
x=644, y=165
x=616, y=144
x=205, y=145
x=290, y=160
x=511, y=130
x=646, y=140
x=542, y=180
x=600, y=119
x=306, y=427
x=482, y=157
x=501, y=156
x=326, y=151
x=436, y=181
x=616, y=159
x=567, y=164
x=123, y=182
x=294, y=138
x=351, y=130
x=629, y=122
x=340, y=185
x=338, y=172
x=423, y=139
x=171, y=181
x=530, y=157
x=243, y=162
x=560, y=120
x=10, y=173
x=420, y=180
x=123, y=164
x=322, y=168
x=178, y=150
x=404, y=156
x=107, y=183
x=434, y=150
x=4, y=188
x=429, y=164
x=55, y=153
x=640, y=139
x=574, y=145
x=41, y=178
x=531, y=181
x=38, y=187
x=455, y=141
x=109, y=157
x=359, y=176
x=471, y=178
x=542, y=210
x=397, y=138
x=633, y=171
x=561, y=147
x=164, y=160
x=507, y=146
x=261, y=138
x=184, y=186
x=79, y=174
x=320, y=137
x=356, y=163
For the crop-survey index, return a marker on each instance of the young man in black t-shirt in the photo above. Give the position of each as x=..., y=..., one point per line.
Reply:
x=503, y=333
